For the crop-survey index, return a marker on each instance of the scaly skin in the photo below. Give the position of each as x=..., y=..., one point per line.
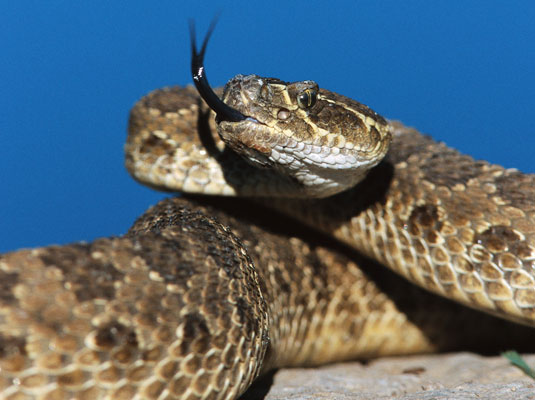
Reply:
x=201, y=296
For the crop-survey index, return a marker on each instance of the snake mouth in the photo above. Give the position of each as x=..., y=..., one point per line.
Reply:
x=222, y=110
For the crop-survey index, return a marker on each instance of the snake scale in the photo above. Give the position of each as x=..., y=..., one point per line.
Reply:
x=203, y=294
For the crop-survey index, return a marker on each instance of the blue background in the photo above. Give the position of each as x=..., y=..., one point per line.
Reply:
x=462, y=71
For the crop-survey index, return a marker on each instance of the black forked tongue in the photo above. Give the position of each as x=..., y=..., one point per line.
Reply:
x=224, y=112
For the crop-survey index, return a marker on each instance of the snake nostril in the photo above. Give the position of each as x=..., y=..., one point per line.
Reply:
x=283, y=114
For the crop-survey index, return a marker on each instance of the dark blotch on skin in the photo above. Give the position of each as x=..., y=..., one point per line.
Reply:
x=156, y=146
x=168, y=257
x=114, y=334
x=209, y=241
x=90, y=278
x=194, y=326
x=425, y=216
x=10, y=346
x=7, y=283
x=498, y=238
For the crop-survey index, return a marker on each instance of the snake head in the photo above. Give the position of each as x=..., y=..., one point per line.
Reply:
x=324, y=142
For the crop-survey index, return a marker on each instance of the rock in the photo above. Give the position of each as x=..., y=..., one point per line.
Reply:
x=446, y=376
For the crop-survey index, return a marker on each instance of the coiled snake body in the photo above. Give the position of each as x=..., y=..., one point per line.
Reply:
x=202, y=295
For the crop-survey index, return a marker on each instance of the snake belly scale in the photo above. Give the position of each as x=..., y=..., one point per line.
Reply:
x=202, y=296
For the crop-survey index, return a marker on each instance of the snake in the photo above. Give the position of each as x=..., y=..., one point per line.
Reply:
x=294, y=197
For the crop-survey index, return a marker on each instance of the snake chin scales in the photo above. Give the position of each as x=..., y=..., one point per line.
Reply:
x=325, y=146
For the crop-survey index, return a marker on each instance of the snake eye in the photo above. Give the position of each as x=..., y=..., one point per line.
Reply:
x=307, y=98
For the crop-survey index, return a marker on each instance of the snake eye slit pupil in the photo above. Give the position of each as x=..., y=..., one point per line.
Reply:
x=313, y=97
x=307, y=98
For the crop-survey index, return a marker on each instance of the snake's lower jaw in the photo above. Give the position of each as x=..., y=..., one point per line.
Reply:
x=310, y=170
x=243, y=138
x=322, y=182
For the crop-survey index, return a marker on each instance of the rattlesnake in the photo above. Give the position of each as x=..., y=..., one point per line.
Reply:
x=202, y=295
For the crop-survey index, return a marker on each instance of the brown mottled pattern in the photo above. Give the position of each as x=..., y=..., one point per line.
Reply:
x=165, y=312
x=196, y=300
x=202, y=295
x=461, y=228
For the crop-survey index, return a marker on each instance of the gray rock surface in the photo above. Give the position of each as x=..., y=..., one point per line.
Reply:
x=447, y=376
